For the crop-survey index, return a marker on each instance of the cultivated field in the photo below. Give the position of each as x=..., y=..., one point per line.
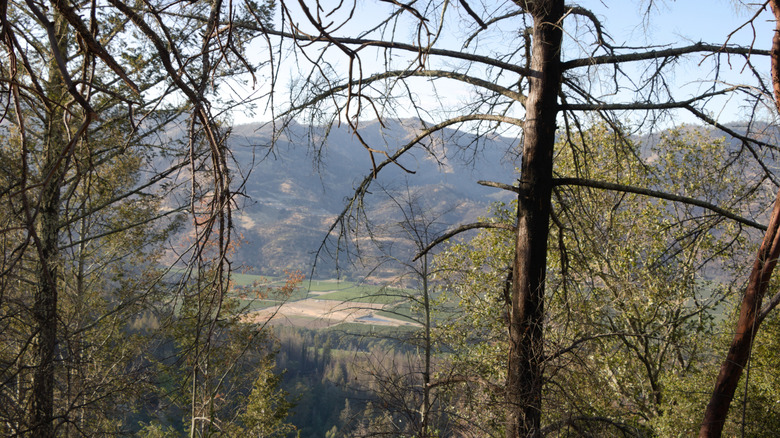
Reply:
x=316, y=313
x=323, y=304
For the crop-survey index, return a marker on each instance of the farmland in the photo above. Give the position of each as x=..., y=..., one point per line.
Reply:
x=318, y=303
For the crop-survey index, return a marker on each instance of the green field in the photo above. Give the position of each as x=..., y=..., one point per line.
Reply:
x=401, y=312
x=365, y=294
x=328, y=285
x=250, y=285
x=247, y=279
x=340, y=290
x=247, y=286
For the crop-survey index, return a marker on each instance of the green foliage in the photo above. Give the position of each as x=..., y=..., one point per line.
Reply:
x=635, y=284
x=629, y=285
x=157, y=430
x=109, y=240
x=320, y=377
x=267, y=406
x=222, y=381
x=761, y=405
x=758, y=414
x=471, y=323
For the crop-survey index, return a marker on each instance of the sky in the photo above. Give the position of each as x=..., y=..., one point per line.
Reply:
x=675, y=21
x=681, y=22
x=669, y=23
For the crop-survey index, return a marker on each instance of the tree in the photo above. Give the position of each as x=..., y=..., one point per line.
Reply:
x=267, y=407
x=72, y=194
x=88, y=90
x=751, y=312
x=403, y=384
x=533, y=81
x=634, y=293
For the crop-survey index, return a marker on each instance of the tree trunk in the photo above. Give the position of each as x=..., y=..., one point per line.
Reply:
x=524, y=375
x=747, y=326
x=748, y=322
x=46, y=230
x=426, y=403
x=45, y=316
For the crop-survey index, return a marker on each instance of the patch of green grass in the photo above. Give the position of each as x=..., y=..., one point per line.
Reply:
x=366, y=294
x=247, y=279
x=253, y=305
x=359, y=297
x=401, y=312
x=248, y=285
x=272, y=294
x=327, y=285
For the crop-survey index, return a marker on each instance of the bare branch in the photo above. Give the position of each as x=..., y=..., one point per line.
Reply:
x=473, y=14
x=582, y=182
x=462, y=229
x=768, y=308
x=499, y=185
x=748, y=142
x=644, y=106
x=659, y=54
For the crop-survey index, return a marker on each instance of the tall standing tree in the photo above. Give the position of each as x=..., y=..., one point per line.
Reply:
x=540, y=76
x=752, y=310
x=407, y=389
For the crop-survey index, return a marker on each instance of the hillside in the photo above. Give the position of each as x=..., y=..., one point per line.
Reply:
x=296, y=190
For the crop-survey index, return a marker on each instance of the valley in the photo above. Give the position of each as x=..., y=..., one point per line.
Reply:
x=318, y=304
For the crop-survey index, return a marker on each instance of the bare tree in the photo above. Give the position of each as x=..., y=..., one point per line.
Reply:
x=423, y=405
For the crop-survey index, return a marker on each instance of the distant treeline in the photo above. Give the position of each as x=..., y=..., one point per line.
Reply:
x=325, y=372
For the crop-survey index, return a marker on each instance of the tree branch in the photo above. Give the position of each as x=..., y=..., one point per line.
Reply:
x=643, y=106
x=656, y=54
x=473, y=14
x=463, y=228
x=582, y=182
x=94, y=46
x=418, y=73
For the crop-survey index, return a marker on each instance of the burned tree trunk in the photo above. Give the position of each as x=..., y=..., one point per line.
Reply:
x=749, y=318
x=524, y=375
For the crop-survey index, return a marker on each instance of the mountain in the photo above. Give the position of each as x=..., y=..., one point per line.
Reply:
x=297, y=186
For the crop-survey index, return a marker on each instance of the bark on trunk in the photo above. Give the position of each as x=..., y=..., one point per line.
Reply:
x=45, y=316
x=46, y=229
x=748, y=322
x=524, y=375
x=747, y=326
